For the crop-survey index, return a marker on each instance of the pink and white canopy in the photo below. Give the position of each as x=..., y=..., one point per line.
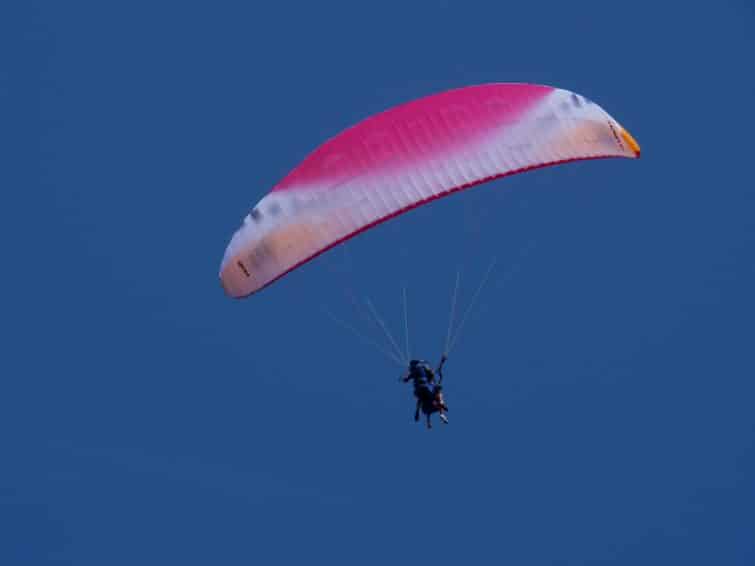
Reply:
x=407, y=156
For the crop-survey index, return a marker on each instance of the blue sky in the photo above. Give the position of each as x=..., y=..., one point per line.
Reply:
x=601, y=396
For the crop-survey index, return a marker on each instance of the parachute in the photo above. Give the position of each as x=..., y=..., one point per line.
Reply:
x=408, y=156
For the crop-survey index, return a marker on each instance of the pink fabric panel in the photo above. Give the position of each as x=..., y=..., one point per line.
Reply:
x=417, y=130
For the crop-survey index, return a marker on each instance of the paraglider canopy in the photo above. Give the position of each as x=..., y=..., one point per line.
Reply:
x=408, y=156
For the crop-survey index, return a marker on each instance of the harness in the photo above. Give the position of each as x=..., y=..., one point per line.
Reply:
x=424, y=382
